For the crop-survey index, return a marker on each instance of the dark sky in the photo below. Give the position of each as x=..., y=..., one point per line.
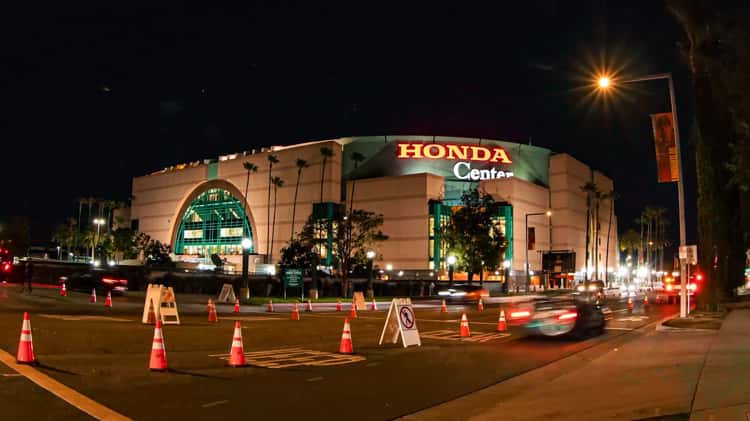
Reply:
x=94, y=96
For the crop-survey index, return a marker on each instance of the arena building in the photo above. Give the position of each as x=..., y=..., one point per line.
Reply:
x=202, y=208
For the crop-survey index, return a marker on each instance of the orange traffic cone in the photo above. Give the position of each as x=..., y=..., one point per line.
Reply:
x=236, y=308
x=151, y=318
x=338, y=306
x=645, y=300
x=373, y=305
x=480, y=304
x=237, y=353
x=443, y=307
x=211, y=307
x=25, y=347
x=93, y=295
x=345, y=347
x=501, y=325
x=269, y=308
x=463, y=330
x=309, y=306
x=108, y=300
x=353, y=311
x=158, y=352
x=295, y=312
x=630, y=303
x=63, y=290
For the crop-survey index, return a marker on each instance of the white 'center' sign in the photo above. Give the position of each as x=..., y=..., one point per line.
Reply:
x=401, y=322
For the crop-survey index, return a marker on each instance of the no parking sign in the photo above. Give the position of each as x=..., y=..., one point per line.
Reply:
x=401, y=322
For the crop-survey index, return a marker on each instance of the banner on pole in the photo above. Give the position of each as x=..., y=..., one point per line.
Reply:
x=666, y=147
x=401, y=322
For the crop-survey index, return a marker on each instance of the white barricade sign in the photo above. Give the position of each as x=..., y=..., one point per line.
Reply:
x=401, y=322
x=227, y=294
x=168, y=307
x=359, y=300
x=153, y=300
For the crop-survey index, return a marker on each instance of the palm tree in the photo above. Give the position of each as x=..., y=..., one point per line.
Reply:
x=277, y=184
x=612, y=196
x=90, y=201
x=81, y=201
x=326, y=152
x=357, y=158
x=591, y=191
x=301, y=164
x=272, y=159
x=250, y=167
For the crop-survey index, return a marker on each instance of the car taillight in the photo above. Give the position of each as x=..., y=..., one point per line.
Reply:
x=6, y=267
x=108, y=280
x=669, y=287
x=521, y=314
x=692, y=287
x=123, y=281
x=567, y=316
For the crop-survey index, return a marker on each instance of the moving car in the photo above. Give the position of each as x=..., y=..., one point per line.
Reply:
x=560, y=316
x=463, y=293
x=6, y=265
x=103, y=281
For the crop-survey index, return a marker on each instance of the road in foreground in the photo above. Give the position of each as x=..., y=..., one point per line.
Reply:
x=295, y=371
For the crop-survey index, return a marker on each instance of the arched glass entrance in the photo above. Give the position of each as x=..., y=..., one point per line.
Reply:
x=213, y=223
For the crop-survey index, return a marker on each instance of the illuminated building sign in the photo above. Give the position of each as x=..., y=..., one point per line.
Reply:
x=463, y=171
x=453, y=152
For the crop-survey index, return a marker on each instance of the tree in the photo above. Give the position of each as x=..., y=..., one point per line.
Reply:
x=301, y=164
x=355, y=233
x=591, y=192
x=124, y=243
x=612, y=196
x=66, y=235
x=277, y=184
x=272, y=159
x=473, y=234
x=326, y=153
x=298, y=254
x=718, y=58
x=630, y=242
x=249, y=167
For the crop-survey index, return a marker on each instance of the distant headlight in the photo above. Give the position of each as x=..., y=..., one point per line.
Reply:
x=459, y=293
x=444, y=293
x=592, y=287
x=581, y=288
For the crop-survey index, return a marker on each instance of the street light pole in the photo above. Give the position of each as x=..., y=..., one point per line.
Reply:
x=526, y=262
x=370, y=290
x=98, y=222
x=605, y=83
x=451, y=263
x=246, y=244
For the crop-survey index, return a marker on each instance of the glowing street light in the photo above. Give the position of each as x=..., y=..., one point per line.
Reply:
x=451, y=264
x=603, y=82
x=98, y=222
x=370, y=289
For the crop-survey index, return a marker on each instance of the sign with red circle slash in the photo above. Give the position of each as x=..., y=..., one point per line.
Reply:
x=401, y=322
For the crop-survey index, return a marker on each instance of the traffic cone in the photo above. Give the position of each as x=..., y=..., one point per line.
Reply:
x=236, y=308
x=25, y=346
x=658, y=299
x=108, y=300
x=158, y=352
x=63, y=290
x=308, y=308
x=630, y=303
x=443, y=307
x=463, y=330
x=93, y=295
x=645, y=300
x=338, y=306
x=212, y=318
x=237, y=353
x=501, y=325
x=151, y=318
x=295, y=312
x=480, y=304
x=269, y=308
x=345, y=347
x=373, y=305
x=353, y=311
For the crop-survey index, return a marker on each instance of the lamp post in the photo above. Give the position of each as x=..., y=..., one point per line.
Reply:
x=506, y=275
x=451, y=264
x=98, y=222
x=370, y=290
x=605, y=83
x=246, y=244
x=526, y=264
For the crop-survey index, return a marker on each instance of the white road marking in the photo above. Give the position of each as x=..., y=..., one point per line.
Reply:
x=294, y=357
x=315, y=379
x=210, y=404
x=456, y=321
x=452, y=335
x=69, y=318
x=619, y=328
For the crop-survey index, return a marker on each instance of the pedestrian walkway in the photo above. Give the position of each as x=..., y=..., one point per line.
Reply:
x=701, y=374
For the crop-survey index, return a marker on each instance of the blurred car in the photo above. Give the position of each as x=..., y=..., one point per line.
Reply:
x=6, y=265
x=103, y=281
x=463, y=293
x=561, y=317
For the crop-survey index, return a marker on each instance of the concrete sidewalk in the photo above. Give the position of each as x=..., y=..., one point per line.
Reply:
x=700, y=375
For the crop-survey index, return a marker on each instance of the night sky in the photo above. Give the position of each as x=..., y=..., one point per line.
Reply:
x=94, y=96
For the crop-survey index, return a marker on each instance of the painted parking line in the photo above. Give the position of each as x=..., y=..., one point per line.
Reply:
x=632, y=319
x=452, y=335
x=253, y=319
x=294, y=357
x=68, y=318
x=618, y=328
x=76, y=399
x=456, y=321
x=338, y=315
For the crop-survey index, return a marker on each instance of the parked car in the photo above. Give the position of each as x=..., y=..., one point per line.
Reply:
x=102, y=280
x=464, y=293
x=558, y=317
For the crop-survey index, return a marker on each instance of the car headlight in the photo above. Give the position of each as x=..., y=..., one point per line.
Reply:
x=580, y=288
x=444, y=293
x=459, y=293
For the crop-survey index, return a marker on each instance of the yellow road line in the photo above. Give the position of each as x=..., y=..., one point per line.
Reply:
x=63, y=392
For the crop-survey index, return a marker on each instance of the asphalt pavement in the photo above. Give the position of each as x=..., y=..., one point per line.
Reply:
x=295, y=370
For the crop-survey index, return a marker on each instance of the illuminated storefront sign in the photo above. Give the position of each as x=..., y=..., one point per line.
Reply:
x=463, y=171
x=452, y=152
